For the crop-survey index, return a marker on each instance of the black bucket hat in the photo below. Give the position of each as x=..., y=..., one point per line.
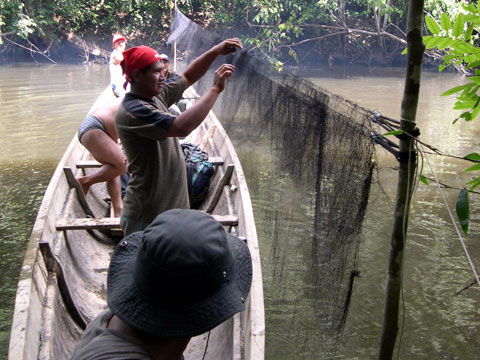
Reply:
x=180, y=277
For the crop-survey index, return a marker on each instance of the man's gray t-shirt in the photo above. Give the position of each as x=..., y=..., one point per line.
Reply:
x=156, y=163
x=100, y=343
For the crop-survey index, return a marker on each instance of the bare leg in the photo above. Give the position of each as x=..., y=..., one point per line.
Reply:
x=107, y=152
x=114, y=190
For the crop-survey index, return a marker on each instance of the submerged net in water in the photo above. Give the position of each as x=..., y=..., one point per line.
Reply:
x=319, y=147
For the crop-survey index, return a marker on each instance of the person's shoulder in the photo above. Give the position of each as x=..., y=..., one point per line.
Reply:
x=171, y=74
x=175, y=82
x=100, y=343
x=110, y=346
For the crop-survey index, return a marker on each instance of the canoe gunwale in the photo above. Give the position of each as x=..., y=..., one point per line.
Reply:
x=23, y=312
x=42, y=264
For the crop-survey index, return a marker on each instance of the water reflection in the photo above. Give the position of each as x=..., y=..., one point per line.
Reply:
x=43, y=106
x=21, y=191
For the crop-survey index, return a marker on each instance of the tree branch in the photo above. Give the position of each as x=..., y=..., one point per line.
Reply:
x=31, y=49
x=312, y=39
x=344, y=29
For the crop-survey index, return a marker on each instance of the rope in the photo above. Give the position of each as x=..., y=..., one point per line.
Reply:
x=454, y=222
x=206, y=346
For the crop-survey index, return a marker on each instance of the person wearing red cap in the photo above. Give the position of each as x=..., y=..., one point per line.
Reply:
x=148, y=131
x=116, y=77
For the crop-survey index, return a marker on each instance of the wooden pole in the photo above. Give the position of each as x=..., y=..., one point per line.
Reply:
x=407, y=167
x=175, y=49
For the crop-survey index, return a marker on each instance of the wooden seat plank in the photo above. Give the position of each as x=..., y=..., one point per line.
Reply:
x=225, y=180
x=92, y=164
x=88, y=164
x=73, y=183
x=108, y=223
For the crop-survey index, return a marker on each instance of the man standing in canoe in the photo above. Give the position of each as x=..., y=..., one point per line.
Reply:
x=148, y=131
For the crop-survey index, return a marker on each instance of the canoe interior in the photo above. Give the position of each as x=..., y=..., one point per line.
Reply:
x=62, y=284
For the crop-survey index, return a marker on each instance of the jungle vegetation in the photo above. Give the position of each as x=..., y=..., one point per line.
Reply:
x=296, y=32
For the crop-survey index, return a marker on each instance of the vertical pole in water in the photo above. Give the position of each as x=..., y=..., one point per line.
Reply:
x=407, y=168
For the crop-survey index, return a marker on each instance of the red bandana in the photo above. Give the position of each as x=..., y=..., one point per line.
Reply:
x=137, y=58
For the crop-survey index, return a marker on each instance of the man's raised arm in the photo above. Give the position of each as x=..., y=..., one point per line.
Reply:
x=200, y=65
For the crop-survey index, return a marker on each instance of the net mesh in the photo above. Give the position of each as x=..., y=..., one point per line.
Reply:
x=315, y=141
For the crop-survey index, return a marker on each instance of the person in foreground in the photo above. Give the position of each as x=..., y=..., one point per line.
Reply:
x=148, y=131
x=97, y=133
x=180, y=277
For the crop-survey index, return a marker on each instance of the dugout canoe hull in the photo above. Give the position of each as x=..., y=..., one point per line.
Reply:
x=62, y=284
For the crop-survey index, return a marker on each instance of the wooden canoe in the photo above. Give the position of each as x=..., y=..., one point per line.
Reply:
x=62, y=284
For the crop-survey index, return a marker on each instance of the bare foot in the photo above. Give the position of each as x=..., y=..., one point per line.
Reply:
x=82, y=181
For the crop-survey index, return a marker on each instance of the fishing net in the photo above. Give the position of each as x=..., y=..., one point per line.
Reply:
x=308, y=158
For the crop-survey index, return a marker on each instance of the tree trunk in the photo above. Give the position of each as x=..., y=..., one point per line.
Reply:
x=406, y=172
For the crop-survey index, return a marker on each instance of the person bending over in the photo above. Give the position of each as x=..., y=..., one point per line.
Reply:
x=148, y=131
x=181, y=277
x=97, y=133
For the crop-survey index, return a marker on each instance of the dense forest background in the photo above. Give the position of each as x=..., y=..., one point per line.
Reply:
x=286, y=32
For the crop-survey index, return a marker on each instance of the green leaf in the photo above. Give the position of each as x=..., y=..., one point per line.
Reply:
x=470, y=8
x=393, y=132
x=473, y=168
x=475, y=112
x=473, y=19
x=466, y=115
x=469, y=59
x=444, y=43
x=445, y=22
x=473, y=65
x=475, y=79
x=404, y=52
x=433, y=42
x=448, y=58
x=423, y=179
x=457, y=89
x=427, y=38
x=458, y=25
x=463, y=211
x=468, y=33
x=464, y=105
x=464, y=48
x=474, y=183
x=432, y=25
x=475, y=157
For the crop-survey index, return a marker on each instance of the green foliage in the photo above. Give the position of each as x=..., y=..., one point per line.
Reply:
x=423, y=179
x=393, y=132
x=50, y=19
x=463, y=210
x=475, y=157
x=280, y=29
x=458, y=37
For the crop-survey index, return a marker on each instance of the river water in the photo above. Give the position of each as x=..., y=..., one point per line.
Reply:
x=42, y=107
